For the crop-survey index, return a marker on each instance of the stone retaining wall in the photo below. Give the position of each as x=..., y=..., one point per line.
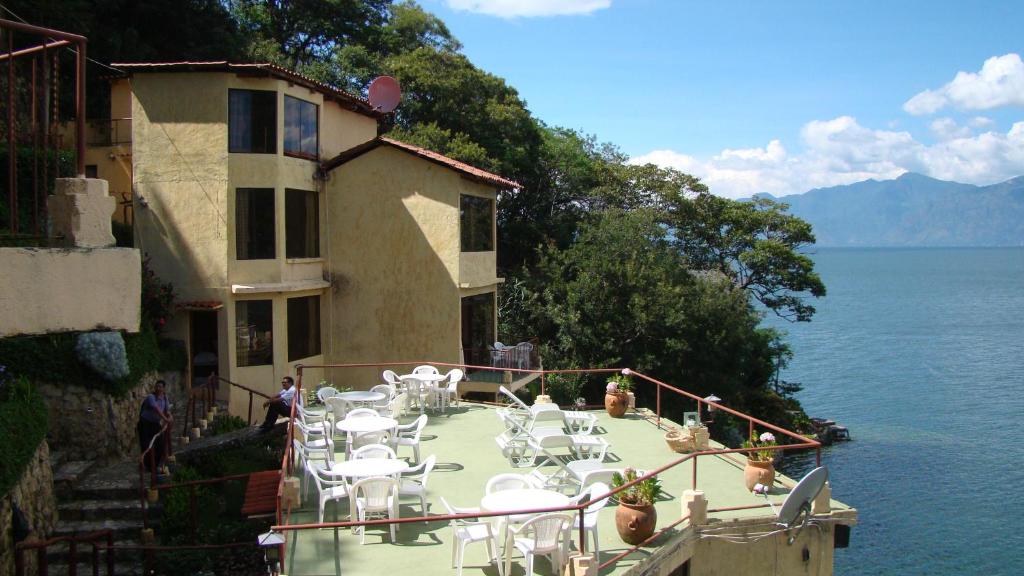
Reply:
x=34, y=496
x=88, y=424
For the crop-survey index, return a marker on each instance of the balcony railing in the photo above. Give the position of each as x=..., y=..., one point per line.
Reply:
x=110, y=132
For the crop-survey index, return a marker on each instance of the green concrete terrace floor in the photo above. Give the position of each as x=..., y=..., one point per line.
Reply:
x=467, y=456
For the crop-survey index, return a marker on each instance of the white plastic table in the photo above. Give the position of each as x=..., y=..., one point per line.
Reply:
x=366, y=424
x=361, y=396
x=368, y=467
x=520, y=499
x=428, y=383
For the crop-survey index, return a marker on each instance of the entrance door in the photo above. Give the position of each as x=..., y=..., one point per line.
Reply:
x=202, y=345
x=477, y=328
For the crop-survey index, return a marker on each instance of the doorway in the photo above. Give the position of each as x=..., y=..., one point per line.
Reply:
x=203, y=354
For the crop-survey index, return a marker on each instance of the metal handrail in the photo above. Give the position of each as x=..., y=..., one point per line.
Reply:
x=286, y=463
x=72, y=540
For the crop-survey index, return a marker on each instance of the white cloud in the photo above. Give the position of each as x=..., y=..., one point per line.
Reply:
x=528, y=8
x=999, y=83
x=948, y=129
x=841, y=151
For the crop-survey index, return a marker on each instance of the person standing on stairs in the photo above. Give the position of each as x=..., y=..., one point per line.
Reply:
x=279, y=405
x=153, y=415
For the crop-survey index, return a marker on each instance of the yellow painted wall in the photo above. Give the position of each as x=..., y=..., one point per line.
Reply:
x=766, y=557
x=65, y=290
x=394, y=257
x=342, y=129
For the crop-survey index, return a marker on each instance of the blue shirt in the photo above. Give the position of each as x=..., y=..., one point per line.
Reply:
x=149, y=408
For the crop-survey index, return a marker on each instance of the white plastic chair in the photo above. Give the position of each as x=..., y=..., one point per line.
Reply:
x=590, y=513
x=395, y=407
x=426, y=369
x=509, y=481
x=325, y=393
x=338, y=408
x=308, y=459
x=330, y=488
x=414, y=482
x=542, y=535
x=409, y=435
x=449, y=395
x=391, y=377
x=376, y=497
x=362, y=413
x=367, y=439
x=469, y=531
x=373, y=451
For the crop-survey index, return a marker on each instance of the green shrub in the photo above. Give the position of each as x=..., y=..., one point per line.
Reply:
x=564, y=389
x=23, y=422
x=225, y=423
x=62, y=163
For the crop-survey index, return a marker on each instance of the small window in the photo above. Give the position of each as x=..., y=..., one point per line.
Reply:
x=252, y=121
x=254, y=224
x=302, y=224
x=300, y=134
x=303, y=327
x=254, y=332
x=476, y=219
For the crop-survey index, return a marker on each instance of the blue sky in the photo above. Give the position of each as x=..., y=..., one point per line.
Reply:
x=768, y=96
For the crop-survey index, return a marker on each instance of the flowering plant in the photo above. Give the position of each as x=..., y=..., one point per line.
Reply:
x=643, y=493
x=620, y=382
x=763, y=445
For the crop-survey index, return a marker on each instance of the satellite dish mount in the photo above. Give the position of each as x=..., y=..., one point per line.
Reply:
x=798, y=503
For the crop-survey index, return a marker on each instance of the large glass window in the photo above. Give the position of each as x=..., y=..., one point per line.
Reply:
x=302, y=224
x=476, y=219
x=254, y=332
x=254, y=224
x=300, y=134
x=303, y=327
x=477, y=328
x=252, y=121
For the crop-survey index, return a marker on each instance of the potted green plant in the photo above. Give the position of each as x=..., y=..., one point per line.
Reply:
x=616, y=397
x=635, y=518
x=759, y=469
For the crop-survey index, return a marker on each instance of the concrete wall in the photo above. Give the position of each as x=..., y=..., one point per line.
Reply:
x=394, y=259
x=57, y=290
x=35, y=497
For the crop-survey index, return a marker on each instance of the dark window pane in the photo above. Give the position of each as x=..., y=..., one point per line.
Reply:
x=477, y=224
x=300, y=131
x=477, y=328
x=302, y=224
x=254, y=224
x=303, y=327
x=252, y=121
x=91, y=171
x=254, y=327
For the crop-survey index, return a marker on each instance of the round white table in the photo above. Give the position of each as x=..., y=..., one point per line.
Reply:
x=368, y=467
x=361, y=396
x=366, y=424
x=429, y=378
x=427, y=386
x=521, y=499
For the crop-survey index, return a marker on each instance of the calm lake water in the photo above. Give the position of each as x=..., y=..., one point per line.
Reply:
x=920, y=352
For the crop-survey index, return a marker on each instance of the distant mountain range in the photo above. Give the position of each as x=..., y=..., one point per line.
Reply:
x=914, y=210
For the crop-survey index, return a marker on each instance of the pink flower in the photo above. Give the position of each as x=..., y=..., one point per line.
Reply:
x=626, y=372
x=612, y=387
x=767, y=437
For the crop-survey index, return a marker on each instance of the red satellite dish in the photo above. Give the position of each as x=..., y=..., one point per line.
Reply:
x=385, y=94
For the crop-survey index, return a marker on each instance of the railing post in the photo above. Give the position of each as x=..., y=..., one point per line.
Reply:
x=19, y=562
x=110, y=553
x=152, y=466
x=583, y=531
x=659, y=405
x=72, y=557
x=543, y=384
x=694, y=481
x=750, y=432
x=95, y=559
x=42, y=567
x=250, y=408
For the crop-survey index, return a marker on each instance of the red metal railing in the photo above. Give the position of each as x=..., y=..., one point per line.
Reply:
x=205, y=396
x=93, y=538
x=286, y=463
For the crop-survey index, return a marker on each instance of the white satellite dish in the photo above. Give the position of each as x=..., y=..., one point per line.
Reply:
x=384, y=94
x=800, y=498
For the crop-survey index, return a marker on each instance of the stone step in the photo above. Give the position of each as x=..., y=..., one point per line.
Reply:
x=84, y=567
x=59, y=554
x=100, y=510
x=123, y=529
x=68, y=474
x=118, y=481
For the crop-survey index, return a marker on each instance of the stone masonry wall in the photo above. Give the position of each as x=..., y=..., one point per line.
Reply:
x=34, y=496
x=88, y=424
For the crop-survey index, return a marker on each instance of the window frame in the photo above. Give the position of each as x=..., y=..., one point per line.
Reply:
x=271, y=97
x=315, y=154
x=244, y=221
x=470, y=235
x=242, y=359
x=294, y=353
x=290, y=227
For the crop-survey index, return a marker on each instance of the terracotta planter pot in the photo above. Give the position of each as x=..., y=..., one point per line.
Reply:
x=758, y=472
x=635, y=523
x=616, y=403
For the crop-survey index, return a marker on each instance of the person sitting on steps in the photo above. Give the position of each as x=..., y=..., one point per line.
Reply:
x=279, y=405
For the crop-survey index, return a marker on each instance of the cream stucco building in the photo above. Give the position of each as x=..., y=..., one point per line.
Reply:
x=292, y=233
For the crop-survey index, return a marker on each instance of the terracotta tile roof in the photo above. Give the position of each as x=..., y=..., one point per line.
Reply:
x=472, y=172
x=353, y=102
x=200, y=305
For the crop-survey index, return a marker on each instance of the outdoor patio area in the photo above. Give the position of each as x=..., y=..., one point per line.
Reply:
x=463, y=441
